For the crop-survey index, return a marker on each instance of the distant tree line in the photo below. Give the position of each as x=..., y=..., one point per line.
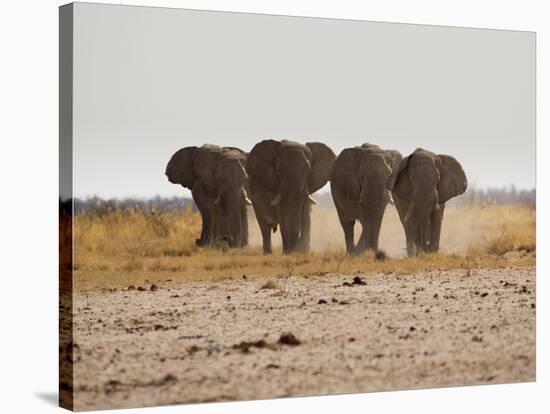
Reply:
x=507, y=195
x=472, y=197
x=101, y=206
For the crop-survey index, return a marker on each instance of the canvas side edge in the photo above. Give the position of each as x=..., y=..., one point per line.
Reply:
x=66, y=341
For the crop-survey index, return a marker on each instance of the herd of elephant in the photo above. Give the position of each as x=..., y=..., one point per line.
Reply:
x=278, y=179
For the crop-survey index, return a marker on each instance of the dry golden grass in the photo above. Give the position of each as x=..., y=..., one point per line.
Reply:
x=123, y=247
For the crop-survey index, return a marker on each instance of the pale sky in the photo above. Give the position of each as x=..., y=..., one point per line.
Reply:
x=148, y=81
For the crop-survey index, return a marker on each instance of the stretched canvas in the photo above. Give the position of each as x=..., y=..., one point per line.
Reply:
x=257, y=206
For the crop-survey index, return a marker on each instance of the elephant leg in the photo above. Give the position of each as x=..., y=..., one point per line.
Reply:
x=410, y=236
x=374, y=231
x=266, y=235
x=416, y=230
x=371, y=221
x=304, y=242
x=207, y=221
x=265, y=214
x=206, y=230
x=402, y=207
x=348, y=234
x=362, y=243
x=347, y=214
x=221, y=232
x=423, y=232
x=435, y=228
x=244, y=226
x=423, y=238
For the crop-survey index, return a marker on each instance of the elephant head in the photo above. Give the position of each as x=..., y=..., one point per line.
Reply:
x=424, y=181
x=291, y=172
x=232, y=197
x=231, y=176
x=375, y=168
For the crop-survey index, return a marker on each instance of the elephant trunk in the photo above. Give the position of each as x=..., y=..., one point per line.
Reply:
x=373, y=194
x=228, y=203
x=436, y=200
x=235, y=229
x=408, y=214
x=290, y=210
x=363, y=194
x=234, y=215
x=424, y=201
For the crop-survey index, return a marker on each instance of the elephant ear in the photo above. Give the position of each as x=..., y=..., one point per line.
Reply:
x=180, y=170
x=321, y=165
x=260, y=164
x=452, y=181
x=344, y=172
x=399, y=182
x=393, y=158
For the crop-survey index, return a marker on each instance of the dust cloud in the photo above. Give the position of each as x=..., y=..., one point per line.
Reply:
x=463, y=228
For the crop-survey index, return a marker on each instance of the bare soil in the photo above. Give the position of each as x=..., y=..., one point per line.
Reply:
x=256, y=338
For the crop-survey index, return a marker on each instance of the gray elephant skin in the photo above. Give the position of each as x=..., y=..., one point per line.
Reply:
x=282, y=177
x=218, y=182
x=358, y=184
x=422, y=184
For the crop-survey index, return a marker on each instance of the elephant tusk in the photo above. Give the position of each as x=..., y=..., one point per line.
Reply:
x=276, y=200
x=245, y=196
x=311, y=199
x=436, y=203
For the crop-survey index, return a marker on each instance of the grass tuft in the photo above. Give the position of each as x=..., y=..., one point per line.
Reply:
x=270, y=284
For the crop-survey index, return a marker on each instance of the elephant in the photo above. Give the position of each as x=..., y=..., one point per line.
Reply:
x=423, y=183
x=218, y=182
x=282, y=177
x=358, y=184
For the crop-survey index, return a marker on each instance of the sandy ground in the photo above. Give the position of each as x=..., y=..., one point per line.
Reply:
x=187, y=342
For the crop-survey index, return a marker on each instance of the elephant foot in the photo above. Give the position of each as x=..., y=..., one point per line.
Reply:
x=412, y=251
x=356, y=251
x=201, y=242
x=234, y=244
x=301, y=248
x=223, y=242
x=221, y=245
